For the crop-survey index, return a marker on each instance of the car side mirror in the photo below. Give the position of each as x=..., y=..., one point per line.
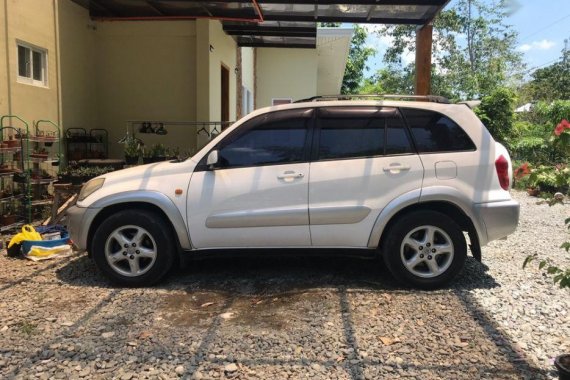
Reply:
x=212, y=160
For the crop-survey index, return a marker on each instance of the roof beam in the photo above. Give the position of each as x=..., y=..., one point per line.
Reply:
x=349, y=2
x=307, y=18
x=252, y=28
x=272, y=34
x=277, y=45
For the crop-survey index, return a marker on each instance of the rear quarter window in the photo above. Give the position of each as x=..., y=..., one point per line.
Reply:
x=433, y=132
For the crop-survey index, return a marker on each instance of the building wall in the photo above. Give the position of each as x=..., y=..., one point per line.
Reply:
x=4, y=106
x=223, y=53
x=32, y=22
x=146, y=71
x=77, y=38
x=285, y=73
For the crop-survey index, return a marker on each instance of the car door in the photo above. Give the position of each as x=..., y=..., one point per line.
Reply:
x=362, y=160
x=257, y=195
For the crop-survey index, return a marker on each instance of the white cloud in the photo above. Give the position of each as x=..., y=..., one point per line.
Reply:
x=537, y=45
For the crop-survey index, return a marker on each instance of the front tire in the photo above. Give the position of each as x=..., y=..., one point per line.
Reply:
x=425, y=249
x=133, y=248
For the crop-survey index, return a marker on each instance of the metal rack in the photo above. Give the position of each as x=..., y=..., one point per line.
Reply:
x=14, y=176
x=80, y=144
x=47, y=150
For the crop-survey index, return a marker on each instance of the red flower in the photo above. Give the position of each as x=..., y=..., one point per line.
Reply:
x=564, y=124
x=522, y=171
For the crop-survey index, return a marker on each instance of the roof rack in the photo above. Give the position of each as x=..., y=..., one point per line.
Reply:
x=428, y=98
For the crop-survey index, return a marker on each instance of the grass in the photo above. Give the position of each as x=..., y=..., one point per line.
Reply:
x=27, y=328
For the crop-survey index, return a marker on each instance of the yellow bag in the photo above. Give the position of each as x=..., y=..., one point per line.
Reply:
x=28, y=233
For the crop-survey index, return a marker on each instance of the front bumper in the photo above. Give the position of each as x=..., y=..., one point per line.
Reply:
x=78, y=222
x=499, y=218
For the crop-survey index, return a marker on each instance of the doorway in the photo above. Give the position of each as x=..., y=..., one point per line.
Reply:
x=225, y=116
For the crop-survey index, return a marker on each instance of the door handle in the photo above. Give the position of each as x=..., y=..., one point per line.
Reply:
x=396, y=168
x=290, y=174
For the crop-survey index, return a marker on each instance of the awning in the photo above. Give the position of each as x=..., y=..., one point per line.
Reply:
x=270, y=23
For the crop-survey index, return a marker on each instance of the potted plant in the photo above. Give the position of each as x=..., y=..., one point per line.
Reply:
x=562, y=364
x=132, y=151
x=158, y=152
x=147, y=156
x=64, y=176
x=40, y=153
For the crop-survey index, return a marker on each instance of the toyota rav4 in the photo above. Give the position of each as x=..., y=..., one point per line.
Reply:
x=413, y=181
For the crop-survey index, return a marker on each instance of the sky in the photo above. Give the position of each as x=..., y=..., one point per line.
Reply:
x=542, y=26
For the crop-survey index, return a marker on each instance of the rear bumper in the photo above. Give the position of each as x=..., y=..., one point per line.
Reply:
x=499, y=218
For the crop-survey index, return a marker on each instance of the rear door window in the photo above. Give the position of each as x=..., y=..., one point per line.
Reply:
x=434, y=132
x=357, y=132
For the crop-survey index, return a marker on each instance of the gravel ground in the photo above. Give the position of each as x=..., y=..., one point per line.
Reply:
x=280, y=318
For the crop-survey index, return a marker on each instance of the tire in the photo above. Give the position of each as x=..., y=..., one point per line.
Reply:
x=420, y=261
x=149, y=252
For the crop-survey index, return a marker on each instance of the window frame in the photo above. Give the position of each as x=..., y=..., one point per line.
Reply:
x=317, y=136
x=475, y=149
x=44, y=64
x=253, y=123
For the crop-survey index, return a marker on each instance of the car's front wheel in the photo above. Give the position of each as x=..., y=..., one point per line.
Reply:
x=133, y=248
x=425, y=249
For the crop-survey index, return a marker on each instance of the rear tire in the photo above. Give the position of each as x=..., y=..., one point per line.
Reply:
x=425, y=249
x=134, y=248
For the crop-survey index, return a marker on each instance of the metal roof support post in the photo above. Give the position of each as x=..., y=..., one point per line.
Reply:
x=424, y=37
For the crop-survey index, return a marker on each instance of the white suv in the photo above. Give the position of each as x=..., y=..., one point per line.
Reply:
x=402, y=179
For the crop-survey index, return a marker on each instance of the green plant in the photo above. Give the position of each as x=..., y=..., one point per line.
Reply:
x=27, y=327
x=132, y=148
x=147, y=153
x=550, y=178
x=561, y=276
x=562, y=173
x=158, y=150
x=497, y=113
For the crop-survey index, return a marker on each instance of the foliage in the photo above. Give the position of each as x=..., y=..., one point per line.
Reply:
x=132, y=148
x=497, y=112
x=552, y=112
x=561, y=173
x=389, y=80
x=356, y=64
x=329, y=24
x=474, y=50
x=561, y=276
x=158, y=150
x=533, y=139
x=551, y=82
x=550, y=178
x=530, y=142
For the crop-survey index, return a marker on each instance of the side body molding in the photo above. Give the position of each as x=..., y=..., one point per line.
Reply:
x=155, y=198
x=428, y=194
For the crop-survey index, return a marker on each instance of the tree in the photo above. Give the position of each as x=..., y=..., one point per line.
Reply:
x=473, y=49
x=389, y=80
x=497, y=113
x=356, y=63
x=552, y=82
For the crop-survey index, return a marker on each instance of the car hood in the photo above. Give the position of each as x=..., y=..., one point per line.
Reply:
x=165, y=177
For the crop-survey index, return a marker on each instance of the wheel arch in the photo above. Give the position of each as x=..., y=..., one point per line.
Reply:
x=453, y=206
x=150, y=201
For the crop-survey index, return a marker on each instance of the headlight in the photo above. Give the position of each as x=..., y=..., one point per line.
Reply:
x=90, y=187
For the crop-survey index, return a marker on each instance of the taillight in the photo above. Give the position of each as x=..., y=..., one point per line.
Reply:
x=502, y=166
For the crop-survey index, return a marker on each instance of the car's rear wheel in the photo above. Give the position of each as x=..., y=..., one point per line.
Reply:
x=133, y=247
x=425, y=249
